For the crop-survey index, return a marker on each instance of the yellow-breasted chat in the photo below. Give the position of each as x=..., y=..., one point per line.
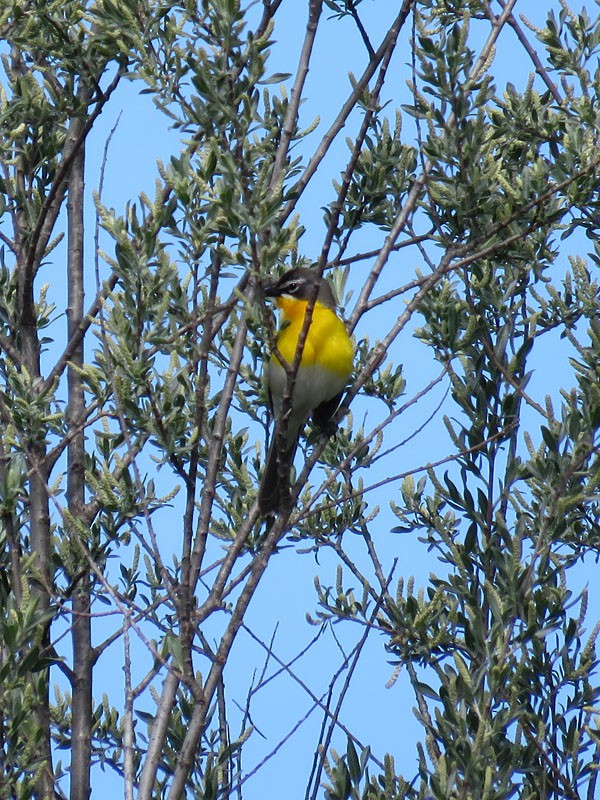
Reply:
x=324, y=369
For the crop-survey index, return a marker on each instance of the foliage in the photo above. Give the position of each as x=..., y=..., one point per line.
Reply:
x=131, y=428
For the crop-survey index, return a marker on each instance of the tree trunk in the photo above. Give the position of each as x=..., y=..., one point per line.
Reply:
x=81, y=633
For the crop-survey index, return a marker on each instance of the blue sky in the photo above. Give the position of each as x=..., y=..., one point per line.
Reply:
x=379, y=716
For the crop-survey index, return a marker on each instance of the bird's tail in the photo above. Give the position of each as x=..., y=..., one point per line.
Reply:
x=274, y=490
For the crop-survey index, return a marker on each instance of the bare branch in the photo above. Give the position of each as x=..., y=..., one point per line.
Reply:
x=539, y=68
x=420, y=182
x=347, y=108
x=291, y=117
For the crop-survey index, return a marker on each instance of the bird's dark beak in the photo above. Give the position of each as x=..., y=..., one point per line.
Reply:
x=270, y=290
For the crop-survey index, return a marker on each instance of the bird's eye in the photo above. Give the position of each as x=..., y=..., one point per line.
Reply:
x=293, y=287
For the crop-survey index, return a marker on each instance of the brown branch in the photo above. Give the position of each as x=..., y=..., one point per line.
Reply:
x=539, y=67
x=270, y=8
x=298, y=188
x=81, y=632
x=259, y=565
x=369, y=254
x=407, y=473
x=51, y=206
x=285, y=668
x=291, y=117
x=317, y=451
x=447, y=264
x=158, y=733
x=7, y=519
x=215, y=452
x=421, y=180
x=361, y=28
x=128, y=724
x=11, y=351
x=332, y=719
x=357, y=149
x=423, y=709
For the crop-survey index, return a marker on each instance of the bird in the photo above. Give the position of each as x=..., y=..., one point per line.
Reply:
x=324, y=370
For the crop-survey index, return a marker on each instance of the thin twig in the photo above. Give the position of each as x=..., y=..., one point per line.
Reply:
x=539, y=67
x=338, y=205
x=420, y=182
x=290, y=122
x=128, y=736
x=341, y=119
x=324, y=744
x=431, y=465
x=361, y=28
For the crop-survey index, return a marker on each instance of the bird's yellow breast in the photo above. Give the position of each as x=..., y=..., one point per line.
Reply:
x=327, y=343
